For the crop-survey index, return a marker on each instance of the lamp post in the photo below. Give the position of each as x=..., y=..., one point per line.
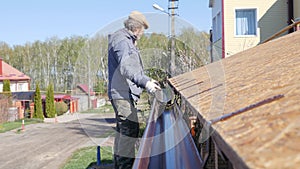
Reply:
x=172, y=66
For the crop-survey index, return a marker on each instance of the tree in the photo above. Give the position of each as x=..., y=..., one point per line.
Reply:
x=100, y=87
x=38, y=109
x=50, y=106
x=83, y=60
x=6, y=87
x=6, y=91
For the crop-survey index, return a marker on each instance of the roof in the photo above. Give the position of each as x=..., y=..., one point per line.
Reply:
x=11, y=73
x=261, y=86
x=23, y=96
x=62, y=96
x=84, y=88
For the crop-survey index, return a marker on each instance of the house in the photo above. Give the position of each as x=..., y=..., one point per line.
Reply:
x=19, y=82
x=247, y=106
x=19, y=86
x=240, y=25
x=87, y=98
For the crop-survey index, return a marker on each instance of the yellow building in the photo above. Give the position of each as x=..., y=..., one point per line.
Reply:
x=239, y=25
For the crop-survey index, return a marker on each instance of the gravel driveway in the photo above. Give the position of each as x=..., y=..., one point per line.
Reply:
x=50, y=144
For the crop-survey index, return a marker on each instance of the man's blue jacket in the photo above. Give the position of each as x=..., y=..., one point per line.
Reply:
x=125, y=69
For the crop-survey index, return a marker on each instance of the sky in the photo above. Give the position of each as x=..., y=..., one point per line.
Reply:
x=24, y=21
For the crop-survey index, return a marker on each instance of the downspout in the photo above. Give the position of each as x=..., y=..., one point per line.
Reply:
x=290, y=14
x=223, y=32
x=211, y=45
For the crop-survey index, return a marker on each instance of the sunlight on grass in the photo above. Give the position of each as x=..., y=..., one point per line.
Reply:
x=103, y=109
x=85, y=157
x=7, y=126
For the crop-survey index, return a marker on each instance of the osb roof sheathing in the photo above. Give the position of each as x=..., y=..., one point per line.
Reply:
x=268, y=135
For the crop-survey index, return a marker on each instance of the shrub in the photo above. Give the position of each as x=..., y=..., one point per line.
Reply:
x=61, y=108
x=4, y=105
x=38, y=108
x=6, y=91
x=101, y=87
x=50, y=107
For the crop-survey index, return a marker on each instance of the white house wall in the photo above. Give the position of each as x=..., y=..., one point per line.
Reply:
x=20, y=86
x=271, y=17
x=217, y=7
x=297, y=9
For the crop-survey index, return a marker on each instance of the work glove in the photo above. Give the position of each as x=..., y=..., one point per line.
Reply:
x=152, y=86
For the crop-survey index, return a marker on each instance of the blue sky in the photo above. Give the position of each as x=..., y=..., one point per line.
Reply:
x=24, y=21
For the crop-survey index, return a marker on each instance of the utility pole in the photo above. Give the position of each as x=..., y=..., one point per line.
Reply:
x=89, y=74
x=89, y=82
x=173, y=4
x=172, y=7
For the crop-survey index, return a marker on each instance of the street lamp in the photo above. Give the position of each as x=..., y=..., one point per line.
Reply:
x=157, y=7
x=172, y=15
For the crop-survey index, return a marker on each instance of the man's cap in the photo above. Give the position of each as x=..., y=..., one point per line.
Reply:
x=138, y=16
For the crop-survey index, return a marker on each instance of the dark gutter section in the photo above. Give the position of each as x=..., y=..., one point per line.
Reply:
x=167, y=142
x=290, y=14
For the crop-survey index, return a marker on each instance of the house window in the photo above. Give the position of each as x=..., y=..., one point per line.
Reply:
x=20, y=86
x=245, y=20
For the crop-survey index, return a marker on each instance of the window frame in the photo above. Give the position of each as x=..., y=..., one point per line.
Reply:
x=255, y=26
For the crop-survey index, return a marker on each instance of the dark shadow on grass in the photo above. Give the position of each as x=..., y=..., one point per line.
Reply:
x=105, y=164
x=103, y=120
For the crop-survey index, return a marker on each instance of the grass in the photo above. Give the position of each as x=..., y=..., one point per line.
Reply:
x=107, y=134
x=87, y=157
x=7, y=126
x=103, y=109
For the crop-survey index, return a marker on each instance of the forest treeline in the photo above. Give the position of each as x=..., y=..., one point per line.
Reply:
x=83, y=60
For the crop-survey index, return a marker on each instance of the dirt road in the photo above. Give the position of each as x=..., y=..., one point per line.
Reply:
x=48, y=145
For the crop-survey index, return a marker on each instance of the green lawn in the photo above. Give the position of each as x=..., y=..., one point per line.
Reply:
x=7, y=126
x=87, y=157
x=103, y=109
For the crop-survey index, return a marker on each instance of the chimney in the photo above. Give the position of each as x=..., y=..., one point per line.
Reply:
x=1, y=66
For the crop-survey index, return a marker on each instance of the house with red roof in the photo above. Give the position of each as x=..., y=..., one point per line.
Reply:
x=19, y=86
x=19, y=82
x=87, y=97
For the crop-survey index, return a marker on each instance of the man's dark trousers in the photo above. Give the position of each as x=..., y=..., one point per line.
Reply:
x=127, y=129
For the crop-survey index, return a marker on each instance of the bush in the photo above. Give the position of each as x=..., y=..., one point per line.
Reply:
x=4, y=105
x=158, y=74
x=6, y=91
x=101, y=87
x=61, y=108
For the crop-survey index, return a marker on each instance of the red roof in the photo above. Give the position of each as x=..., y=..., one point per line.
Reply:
x=62, y=96
x=11, y=73
x=84, y=88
